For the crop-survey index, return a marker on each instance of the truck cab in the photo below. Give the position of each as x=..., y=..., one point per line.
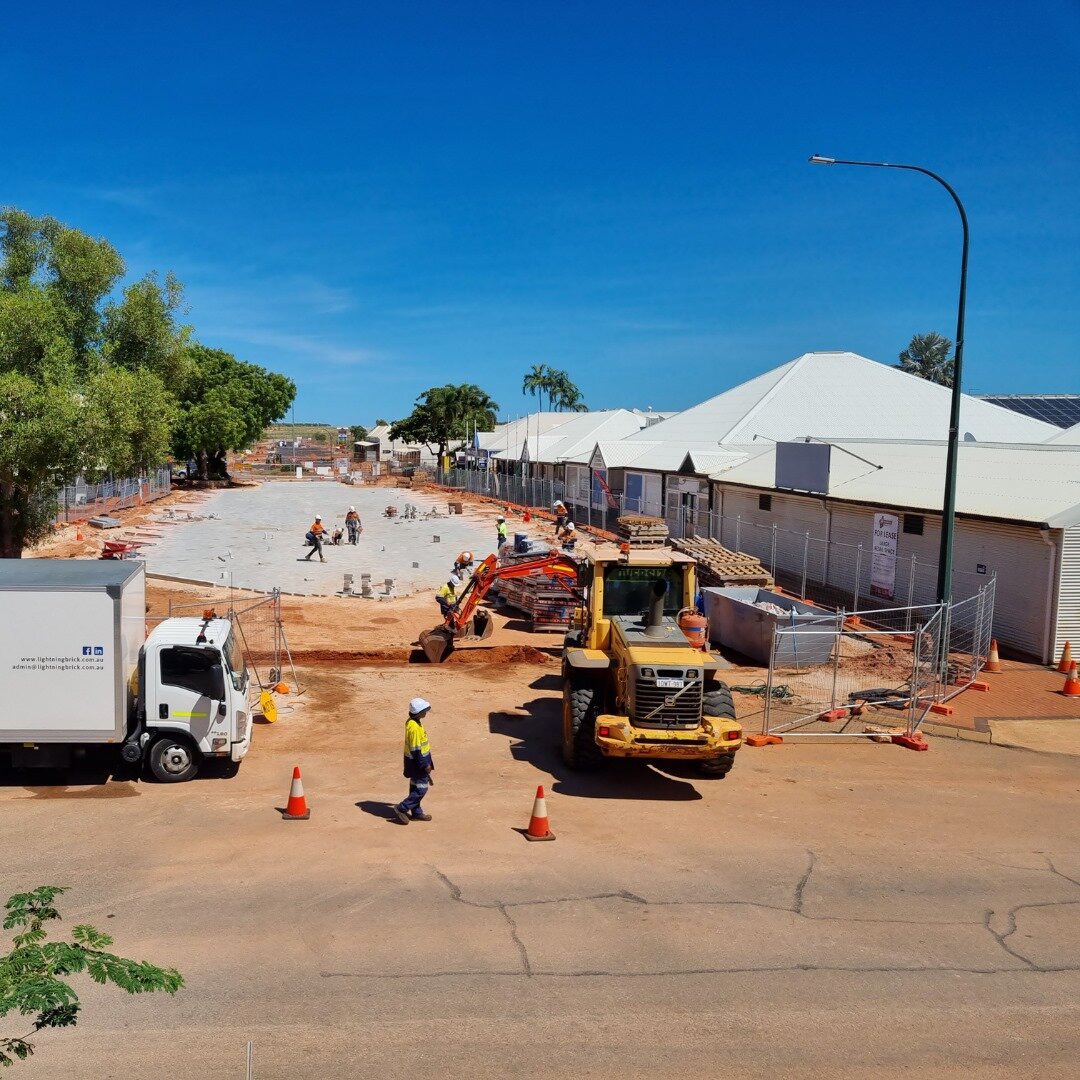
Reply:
x=634, y=685
x=193, y=686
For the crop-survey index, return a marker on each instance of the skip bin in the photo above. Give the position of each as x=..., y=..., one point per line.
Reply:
x=735, y=623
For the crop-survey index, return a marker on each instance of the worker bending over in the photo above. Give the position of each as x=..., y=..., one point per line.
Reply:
x=569, y=536
x=463, y=564
x=447, y=595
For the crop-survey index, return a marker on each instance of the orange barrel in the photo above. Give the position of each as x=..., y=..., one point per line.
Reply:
x=694, y=626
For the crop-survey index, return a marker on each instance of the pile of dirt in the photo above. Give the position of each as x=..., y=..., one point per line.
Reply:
x=395, y=657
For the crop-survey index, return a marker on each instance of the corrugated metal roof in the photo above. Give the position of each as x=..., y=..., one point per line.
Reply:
x=1067, y=436
x=508, y=439
x=1033, y=483
x=839, y=395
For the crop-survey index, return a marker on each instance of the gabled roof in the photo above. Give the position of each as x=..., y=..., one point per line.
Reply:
x=1069, y=436
x=838, y=395
x=507, y=440
x=574, y=440
x=1033, y=483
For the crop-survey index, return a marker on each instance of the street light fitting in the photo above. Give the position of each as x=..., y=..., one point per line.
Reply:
x=817, y=159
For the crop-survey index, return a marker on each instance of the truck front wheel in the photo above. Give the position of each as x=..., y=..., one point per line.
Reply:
x=173, y=759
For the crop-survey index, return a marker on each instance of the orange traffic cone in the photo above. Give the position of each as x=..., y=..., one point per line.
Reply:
x=78, y=533
x=993, y=661
x=1066, y=659
x=538, y=823
x=1070, y=689
x=297, y=808
x=526, y=517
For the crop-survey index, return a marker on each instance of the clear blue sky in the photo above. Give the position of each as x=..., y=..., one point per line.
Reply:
x=377, y=198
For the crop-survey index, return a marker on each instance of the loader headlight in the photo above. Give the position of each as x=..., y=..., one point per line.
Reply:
x=648, y=673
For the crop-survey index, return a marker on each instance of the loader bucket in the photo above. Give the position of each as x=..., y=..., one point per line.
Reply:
x=437, y=644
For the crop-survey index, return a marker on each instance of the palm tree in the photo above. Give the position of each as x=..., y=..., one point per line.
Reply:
x=564, y=394
x=928, y=357
x=538, y=381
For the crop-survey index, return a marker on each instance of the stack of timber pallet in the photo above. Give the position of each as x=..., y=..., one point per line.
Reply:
x=718, y=565
x=543, y=602
x=641, y=531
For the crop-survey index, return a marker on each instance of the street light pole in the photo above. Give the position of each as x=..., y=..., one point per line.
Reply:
x=948, y=513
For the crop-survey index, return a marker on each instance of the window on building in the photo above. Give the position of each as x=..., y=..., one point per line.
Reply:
x=913, y=524
x=764, y=502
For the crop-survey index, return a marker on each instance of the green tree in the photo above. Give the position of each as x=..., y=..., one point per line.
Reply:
x=563, y=394
x=82, y=379
x=928, y=356
x=537, y=382
x=443, y=414
x=34, y=974
x=226, y=405
x=358, y=432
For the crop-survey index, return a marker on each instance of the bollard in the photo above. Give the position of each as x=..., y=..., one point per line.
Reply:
x=346, y=588
x=389, y=583
x=365, y=585
x=436, y=539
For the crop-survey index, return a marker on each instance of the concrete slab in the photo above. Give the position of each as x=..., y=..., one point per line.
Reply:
x=1050, y=736
x=256, y=535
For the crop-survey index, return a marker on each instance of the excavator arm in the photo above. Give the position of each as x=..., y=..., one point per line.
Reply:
x=466, y=620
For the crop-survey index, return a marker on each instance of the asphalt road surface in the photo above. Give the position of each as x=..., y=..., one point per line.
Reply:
x=825, y=911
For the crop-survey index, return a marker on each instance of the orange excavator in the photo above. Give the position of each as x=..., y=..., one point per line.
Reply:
x=468, y=622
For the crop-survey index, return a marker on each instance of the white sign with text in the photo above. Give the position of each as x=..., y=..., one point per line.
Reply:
x=883, y=567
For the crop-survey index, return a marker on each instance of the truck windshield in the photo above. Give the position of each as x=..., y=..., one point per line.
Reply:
x=627, y=589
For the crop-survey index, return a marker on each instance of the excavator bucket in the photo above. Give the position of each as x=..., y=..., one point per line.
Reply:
x=437, y=644
x=481, y=626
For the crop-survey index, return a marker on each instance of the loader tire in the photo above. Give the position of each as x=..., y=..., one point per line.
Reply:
x=718, y=767
x=718, y=703
x=581, y=707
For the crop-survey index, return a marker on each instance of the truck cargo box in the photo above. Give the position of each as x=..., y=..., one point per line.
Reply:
x=69, y=645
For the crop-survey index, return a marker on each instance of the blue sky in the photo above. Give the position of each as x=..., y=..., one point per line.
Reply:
x=375, y=199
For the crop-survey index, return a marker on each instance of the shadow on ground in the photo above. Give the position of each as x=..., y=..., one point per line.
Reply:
x=536, y=736
x=378, y=809
x=99, y=780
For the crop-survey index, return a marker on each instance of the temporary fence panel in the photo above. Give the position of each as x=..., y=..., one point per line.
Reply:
x=82, y=500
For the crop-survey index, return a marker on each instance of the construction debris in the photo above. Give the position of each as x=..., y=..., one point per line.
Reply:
x=719, y=566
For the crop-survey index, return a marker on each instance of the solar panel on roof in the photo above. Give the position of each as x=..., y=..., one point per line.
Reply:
x=1061, y=410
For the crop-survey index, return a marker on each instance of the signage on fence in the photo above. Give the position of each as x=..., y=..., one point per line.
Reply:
x=883, y=566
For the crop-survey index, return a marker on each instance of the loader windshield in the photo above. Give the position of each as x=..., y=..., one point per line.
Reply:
x=627, y=589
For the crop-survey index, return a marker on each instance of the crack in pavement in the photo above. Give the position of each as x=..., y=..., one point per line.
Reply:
x=798, y=903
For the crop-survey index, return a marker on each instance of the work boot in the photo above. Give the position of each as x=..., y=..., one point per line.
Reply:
x=401, y=815
x=421, y=816
x=321, y=559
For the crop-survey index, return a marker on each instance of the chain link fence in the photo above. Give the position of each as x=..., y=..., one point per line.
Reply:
x=82, y=500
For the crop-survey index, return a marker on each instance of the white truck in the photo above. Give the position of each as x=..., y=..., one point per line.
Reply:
x=79, y=673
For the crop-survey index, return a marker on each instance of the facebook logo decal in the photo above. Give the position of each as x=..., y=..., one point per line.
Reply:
x=86, y=650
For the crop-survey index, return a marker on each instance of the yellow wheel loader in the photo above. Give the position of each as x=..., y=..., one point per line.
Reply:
x=633, y=685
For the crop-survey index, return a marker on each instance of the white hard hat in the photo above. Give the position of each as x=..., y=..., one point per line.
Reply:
x=500, y=518
x=454, y=580
x=318, y=517
x=352, y=509
x=418, y=706
x=570, y=526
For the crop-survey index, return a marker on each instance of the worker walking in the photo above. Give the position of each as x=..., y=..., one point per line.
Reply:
x=418, y=763
x=500, y=532
x=561, y=516
x=315, y=537
x=352, y=524
x=447, y=595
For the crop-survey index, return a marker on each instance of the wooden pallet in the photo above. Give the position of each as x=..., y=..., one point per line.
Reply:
x=718, y=565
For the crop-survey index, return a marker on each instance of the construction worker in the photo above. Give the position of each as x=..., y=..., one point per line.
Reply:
x=569, y=536
x=315, y=537
x=447, y=595
x=500, y=532
x=561, y=516
x=463, y=564
x=418, y=763
x=352, y=524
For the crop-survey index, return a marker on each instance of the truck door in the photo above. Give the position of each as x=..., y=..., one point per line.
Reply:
x=191, y=693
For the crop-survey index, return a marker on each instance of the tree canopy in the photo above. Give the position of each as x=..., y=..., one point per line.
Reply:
x=82, y=377
x=446, y=413
x=561, y=392
x=929, y=357
x=226, y=404
x=34, y=974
